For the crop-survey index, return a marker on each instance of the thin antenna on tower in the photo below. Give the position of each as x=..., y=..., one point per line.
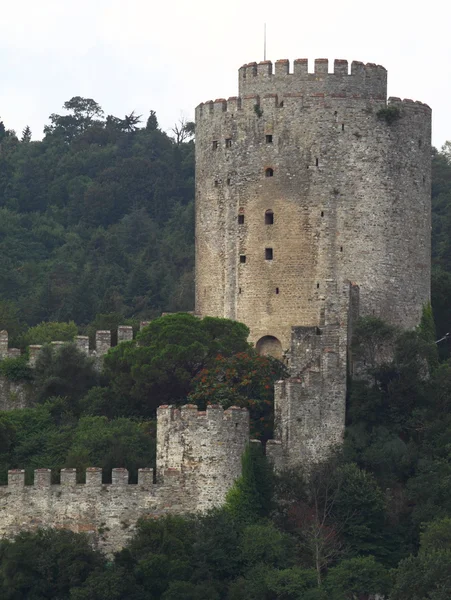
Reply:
x=264, y=44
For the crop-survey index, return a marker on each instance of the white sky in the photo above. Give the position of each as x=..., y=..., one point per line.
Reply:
x=171, y=55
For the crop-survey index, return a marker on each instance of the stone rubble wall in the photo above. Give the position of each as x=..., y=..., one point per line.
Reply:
x=310, y=406
x=198, y=459
x=349, y=193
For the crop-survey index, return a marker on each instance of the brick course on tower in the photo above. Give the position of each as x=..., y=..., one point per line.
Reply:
x=301, y=180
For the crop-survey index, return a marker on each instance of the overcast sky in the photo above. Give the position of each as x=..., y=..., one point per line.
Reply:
x=170, y=55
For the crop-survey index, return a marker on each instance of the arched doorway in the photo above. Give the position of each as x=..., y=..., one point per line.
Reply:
x=269, y=344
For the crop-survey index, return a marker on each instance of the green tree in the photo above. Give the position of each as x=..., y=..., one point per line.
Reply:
x=160, y=365
x=428, y=575
x=250, y=498
x=245, y=379
x=26, y=135
x=66, y=371
x=160, y=554
x=46, y=564
x=10, y=319
x=358, y=578
x=44, y=333
x=97, y=441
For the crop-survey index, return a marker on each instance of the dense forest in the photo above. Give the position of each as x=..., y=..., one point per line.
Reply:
x=95, y=218
x=97, y=229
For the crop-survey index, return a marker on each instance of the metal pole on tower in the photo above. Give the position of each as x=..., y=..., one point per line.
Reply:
x=264, y=44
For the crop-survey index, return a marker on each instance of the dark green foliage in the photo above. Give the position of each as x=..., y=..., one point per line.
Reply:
x=97, y=441
x=66, y=372
x=16, y=369
x=160, y=365
x=44, y=333
x=10, y=320
x=390, y=114
x=258, y=110
x=96, y=218
x=46, y=564
x=49, y=436
x=357, y=578
x=246, y=380
x=427, y=576
x=250, y=498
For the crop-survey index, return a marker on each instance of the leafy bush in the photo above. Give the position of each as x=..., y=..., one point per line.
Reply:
x=16, y=369
x=390, y=114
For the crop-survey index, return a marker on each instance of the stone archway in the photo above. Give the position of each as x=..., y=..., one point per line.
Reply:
x=269, y=345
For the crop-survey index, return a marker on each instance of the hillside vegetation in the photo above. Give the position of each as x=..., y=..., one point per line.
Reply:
x=95, y=218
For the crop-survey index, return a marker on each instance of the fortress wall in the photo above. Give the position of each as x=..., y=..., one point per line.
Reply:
x=310, y=406
x=107, y=513
x=198, y=459
x=205, y=446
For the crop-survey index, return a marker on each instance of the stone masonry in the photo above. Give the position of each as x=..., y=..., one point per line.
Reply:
x=198, y=459
x=298, y=181
x=304, y=184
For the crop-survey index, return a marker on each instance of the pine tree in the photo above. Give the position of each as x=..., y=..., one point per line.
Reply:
x=26, y=135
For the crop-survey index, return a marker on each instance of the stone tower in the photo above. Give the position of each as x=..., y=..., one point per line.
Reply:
x=306, y=179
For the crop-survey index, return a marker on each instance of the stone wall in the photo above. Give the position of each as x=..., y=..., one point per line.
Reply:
x=17, y=394
x=198, y=459
x=205, y=446
x=310, y=406
x=348, y=195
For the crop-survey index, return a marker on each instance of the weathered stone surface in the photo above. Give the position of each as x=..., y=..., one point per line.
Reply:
x=350, y=197
x=302, y=186
x=198, y=459
x=14, y=394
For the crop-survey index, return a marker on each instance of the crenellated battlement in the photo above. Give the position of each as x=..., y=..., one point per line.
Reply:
x=363, y=80
x=258, y=80
x=68, y=478
x=198, y=459
x=101, y=347
x=281, y=68
x=214, y=412
x=409, y=104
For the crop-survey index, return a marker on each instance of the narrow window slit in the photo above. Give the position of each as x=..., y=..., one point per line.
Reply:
x=269, y=139
x=215, y=144
x=277, y=290
x=228, y=142
x=242, y=258
x=269, y=217
x=269, y=172
x=316, y=162
x=240, y=219
x=268, y=254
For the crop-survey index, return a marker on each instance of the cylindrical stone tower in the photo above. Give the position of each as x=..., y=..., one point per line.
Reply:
x=306, y=178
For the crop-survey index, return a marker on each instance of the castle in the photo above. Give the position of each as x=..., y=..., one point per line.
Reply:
x=312, y=208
